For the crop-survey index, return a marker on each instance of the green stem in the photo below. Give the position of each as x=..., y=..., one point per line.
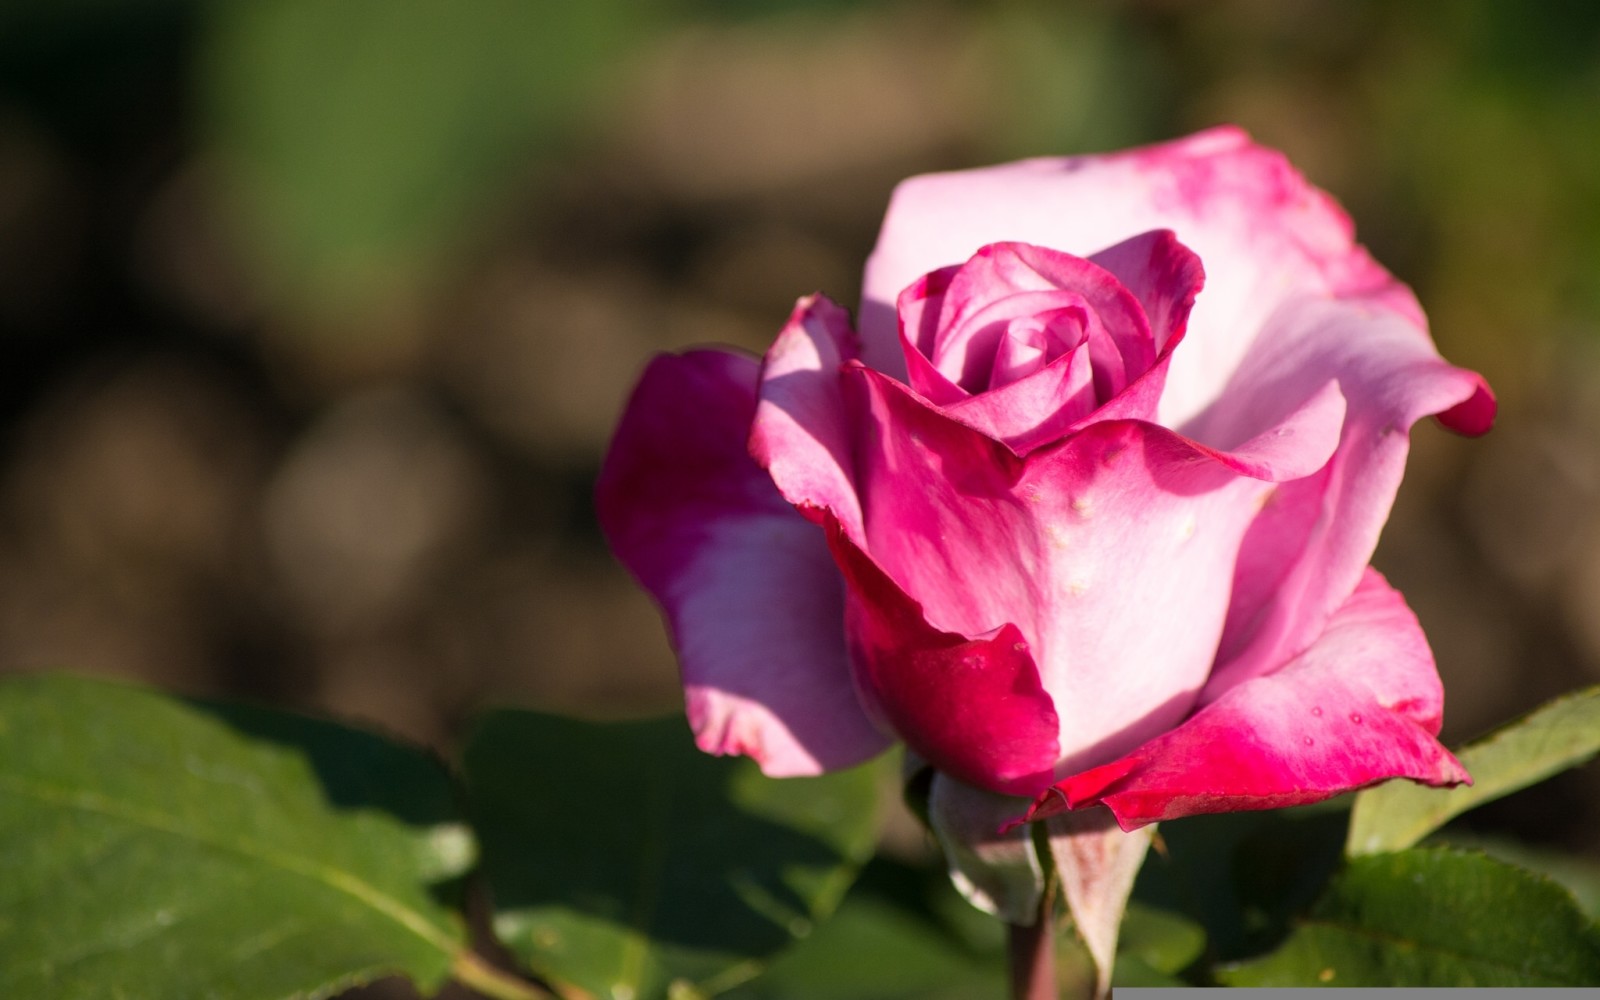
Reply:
x=472, y=971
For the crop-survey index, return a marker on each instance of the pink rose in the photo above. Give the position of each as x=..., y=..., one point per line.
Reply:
x=1083, y=513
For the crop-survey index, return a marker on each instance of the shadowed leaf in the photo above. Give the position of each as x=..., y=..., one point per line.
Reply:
x=623, y=860
x=157, y=848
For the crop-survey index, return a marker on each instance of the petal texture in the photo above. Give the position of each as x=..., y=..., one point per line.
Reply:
x=1103, y=551
x=752, y=600
x=1362, y=705
x=973, y=707
x=1315, y=537
x=802, y=431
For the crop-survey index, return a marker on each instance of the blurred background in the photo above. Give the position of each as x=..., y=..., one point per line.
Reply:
x=315, y=317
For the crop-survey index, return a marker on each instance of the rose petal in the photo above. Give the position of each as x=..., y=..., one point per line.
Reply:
x=1362, y=705
x=918, y=324
x=1308, y=549
x=749, y=592
x=801, y=431
x=971, y=706
x=1103, y=550
x=1033, y=411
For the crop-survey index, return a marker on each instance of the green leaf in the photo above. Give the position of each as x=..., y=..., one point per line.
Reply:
x=1554, y=737
x=623, y=860
x=157, y=848
x=1242, y=876
x=1158, y=940
x=1578, y=874
x=1434, y=917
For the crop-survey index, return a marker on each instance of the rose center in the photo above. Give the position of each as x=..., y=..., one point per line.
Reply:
x=1029, y=343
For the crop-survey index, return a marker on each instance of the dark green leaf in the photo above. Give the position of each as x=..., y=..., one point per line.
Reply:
x=155, y=848
x=1554, y=737
x=1579, y=875
x=1158, y=940
x=1434, y=917
x=622, y=859
x=1242, y=876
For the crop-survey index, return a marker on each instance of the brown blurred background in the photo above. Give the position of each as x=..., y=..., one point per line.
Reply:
x=315, y=317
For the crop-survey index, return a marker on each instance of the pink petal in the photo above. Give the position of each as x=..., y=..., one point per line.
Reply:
x=749, y=592
x=1362, y=705
x=801, y=433
x=971, y=706
x=1033, y=411
x=1315, y=536
x=1103, y=550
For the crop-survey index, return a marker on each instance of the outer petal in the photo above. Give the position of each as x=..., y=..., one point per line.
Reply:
x=1307, y=551
x=751, y=598
x=1056, y=544
x=801, y=433
x=1362, y=705
x=972, y=706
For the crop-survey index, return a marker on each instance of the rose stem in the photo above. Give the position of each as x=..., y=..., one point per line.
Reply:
x=1032, y=954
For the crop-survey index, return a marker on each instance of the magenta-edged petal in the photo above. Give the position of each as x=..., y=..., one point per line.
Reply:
x=971, y=706
x=801, y=432
x=1360, y=706
x=752, y=600
x=1265, y=235
x=1307, y=551
x=1104, y=550
x=1473, y=416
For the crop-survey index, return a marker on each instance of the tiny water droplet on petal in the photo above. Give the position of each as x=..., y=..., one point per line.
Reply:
x=1317, y=711
x=1355, y=717
x=1309, y=741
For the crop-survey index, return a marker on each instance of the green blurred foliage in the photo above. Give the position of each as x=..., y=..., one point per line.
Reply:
x=366, y=134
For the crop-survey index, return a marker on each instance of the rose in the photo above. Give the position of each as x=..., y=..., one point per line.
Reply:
x=1087, y=529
